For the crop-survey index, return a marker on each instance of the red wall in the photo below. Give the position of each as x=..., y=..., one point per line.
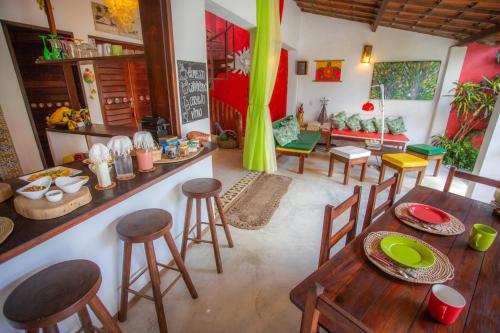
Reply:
x=235, y=90
x=479, y=62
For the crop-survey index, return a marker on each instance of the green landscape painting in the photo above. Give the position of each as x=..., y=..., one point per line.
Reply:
x=410, y=80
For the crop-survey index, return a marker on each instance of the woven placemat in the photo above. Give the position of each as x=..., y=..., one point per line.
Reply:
x=454, y=227
x=441, y=271
x=6, y=227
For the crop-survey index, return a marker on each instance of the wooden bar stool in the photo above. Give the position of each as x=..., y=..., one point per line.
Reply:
x=56, y=293
x=204, y=188
x=144, y=226
x=429, y=153
x=351, y=156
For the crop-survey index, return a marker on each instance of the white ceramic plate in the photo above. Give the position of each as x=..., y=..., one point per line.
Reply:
x=73, y=172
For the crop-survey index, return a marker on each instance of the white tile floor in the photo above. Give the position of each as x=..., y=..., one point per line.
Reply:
x=252, y=295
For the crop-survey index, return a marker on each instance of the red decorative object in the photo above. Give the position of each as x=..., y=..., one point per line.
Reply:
x=368, y=106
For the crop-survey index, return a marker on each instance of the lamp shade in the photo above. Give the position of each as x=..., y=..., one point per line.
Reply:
x=368, y=106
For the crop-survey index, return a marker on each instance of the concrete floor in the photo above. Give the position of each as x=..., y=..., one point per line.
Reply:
x=252, y=295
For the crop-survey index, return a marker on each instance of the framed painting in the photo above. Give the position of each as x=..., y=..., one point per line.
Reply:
x=103, y=21
x=406, y=80
x=328, y=71
x=301, y=68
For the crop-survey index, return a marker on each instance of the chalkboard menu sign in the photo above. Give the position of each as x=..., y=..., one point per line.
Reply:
x=192, y=78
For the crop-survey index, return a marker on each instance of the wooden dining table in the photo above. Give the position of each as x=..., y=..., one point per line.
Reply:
x=387, y=304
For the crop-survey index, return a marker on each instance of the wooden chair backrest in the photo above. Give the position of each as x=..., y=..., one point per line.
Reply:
x=371, y=210
x=470, y=177
x=229, y=118
x=331, y=213
x=317, y=304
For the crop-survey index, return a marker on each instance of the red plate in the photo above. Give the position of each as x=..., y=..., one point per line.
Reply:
x=428, y=214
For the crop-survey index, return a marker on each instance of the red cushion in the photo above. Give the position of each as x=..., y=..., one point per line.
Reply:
x=364, y=135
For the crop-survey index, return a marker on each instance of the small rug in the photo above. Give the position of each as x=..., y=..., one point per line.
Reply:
x=254, y=207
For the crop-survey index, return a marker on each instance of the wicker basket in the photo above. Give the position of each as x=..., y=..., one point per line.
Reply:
x=230, y=143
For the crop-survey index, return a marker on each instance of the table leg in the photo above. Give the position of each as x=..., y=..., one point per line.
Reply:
x=438, y=166
x=330, y=167
x=301, y=164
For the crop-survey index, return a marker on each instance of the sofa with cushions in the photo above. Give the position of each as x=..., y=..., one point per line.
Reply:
x=354, y=128
x=292, y=141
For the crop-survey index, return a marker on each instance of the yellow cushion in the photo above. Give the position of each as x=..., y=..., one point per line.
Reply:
x=404, y=160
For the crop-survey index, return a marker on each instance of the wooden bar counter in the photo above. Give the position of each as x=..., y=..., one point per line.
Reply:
x=89, y=231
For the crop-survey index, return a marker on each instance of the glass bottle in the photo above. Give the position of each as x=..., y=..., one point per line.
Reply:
x=46, y=52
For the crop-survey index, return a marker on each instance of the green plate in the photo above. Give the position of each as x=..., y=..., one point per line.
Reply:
x=407, y=252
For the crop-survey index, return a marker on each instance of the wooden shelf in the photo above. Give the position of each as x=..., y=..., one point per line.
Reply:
x=75, y=60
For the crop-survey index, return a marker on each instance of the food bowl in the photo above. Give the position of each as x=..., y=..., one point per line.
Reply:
x=54, y=195
x=36, y=189
x=71, y=184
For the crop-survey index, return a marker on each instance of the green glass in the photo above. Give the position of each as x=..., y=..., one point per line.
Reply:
x=46, y=52
x=407, y=251
x=56, y=55
x=481, y=237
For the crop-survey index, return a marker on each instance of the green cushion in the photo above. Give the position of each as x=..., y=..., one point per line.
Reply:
x=368, y=125
x=305, y=141
x=396, y=126
x=378, y=125
x=278, y=123
x=286, y=133
x=354, y=123
x=339, y=120
x=426, y=149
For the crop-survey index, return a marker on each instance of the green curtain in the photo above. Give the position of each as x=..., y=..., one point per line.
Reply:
x=259, y=154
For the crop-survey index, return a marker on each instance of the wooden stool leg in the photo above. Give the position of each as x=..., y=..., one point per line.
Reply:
x=84, y=316
x=108, y=323
x=218, y=203
x=127, y=253
x=438, y=166
x=180, y=265
x=420, y=176
x=213, y=231
x=187, y=224
x=51, y=329
x=198, y=219
x=347, y=172
x=363, y=171
x=402, y=174
x=301, y=164
x=330, y=166
x=155, y=285
x=382, y=173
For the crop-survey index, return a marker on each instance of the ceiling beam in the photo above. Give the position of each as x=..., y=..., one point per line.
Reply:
x=434, y=14
x=337, y=2
x=380, y=13
x=449, y=7
x=443, y=27
x=342, y=7
x=420, y=30
x=480, y=35
x=339, y=16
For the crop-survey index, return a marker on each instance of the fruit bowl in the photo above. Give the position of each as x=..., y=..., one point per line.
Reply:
x=29, y=192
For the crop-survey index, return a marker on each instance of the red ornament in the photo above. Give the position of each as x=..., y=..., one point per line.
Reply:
x=368, y=106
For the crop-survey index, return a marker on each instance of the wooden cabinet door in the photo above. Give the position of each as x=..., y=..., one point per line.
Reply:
x=139, y=87
x=112, y=79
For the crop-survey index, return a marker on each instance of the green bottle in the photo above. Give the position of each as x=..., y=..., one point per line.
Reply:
x=46, y=52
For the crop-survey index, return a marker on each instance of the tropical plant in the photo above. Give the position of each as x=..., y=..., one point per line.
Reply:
x=474, y=103
x=461, y=154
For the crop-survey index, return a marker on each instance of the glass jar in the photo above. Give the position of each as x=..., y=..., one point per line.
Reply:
x=123, y=167
x=144, y=159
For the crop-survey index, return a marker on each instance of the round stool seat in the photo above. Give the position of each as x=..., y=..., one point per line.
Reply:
x=144, y=225
x=52, y=294
x=201, y=188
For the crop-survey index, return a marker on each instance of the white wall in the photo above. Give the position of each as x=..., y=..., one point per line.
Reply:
x=70, y=15
x=328, y=38
x=239, y=12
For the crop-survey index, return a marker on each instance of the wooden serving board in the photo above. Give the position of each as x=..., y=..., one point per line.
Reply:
x=178, y=159
x=5, y=191
x=43, y=209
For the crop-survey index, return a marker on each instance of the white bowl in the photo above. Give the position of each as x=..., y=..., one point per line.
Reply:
x=54, y=195
x=44, y=181
x=71, y=184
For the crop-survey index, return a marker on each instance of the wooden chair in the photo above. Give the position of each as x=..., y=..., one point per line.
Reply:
x=318, y=305
x=331, y=213
x=470, y=177
x=371, y=210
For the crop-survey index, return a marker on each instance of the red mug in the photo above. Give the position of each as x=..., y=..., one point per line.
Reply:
x=445, y=303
